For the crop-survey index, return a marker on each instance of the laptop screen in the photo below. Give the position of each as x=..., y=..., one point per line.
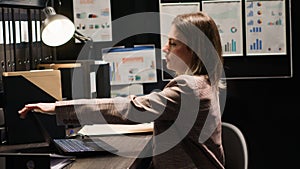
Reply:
x=23, y=87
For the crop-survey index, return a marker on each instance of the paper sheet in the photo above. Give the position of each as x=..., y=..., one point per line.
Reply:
x=113, y=129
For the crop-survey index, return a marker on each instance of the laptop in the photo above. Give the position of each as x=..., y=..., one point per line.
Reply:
x=23, y=87
x=9, y=160
x=80, y=146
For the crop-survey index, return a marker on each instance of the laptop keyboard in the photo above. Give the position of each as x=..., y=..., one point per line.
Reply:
x=72, y=145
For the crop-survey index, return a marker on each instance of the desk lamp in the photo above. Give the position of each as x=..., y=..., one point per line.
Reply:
x=58, y=29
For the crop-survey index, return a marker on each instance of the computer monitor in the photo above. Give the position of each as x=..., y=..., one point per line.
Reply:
x=82, y=78
x=23, y=87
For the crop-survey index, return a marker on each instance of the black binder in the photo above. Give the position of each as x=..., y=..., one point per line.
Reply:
x=36, y=46
x=2, y=51
x=23, y=49
x=8, y=39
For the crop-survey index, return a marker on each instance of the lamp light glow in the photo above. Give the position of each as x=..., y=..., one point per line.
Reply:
x=56, y=29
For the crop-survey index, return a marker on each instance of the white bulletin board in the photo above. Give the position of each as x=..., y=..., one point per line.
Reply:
x=256, y=35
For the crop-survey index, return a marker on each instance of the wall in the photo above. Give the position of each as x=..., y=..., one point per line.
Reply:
x=266, y=110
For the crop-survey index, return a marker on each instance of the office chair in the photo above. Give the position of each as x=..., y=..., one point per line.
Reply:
x=235, y=147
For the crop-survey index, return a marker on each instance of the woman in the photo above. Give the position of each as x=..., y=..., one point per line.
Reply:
x=186, y=113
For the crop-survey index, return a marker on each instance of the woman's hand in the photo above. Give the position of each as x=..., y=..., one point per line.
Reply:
x=45, y=108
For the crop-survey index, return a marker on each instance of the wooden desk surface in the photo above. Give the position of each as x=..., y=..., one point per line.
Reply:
x=129, y=148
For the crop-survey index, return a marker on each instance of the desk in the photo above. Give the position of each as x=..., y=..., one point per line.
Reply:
x=133, y=145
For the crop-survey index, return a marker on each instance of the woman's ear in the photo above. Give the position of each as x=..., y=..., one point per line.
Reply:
x=191, y=54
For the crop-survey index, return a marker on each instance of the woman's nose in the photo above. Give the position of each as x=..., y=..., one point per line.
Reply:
x=165, y=48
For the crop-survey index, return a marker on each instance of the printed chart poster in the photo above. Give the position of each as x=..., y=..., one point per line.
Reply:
x=131, y=65
x=92, y=18
x=228, y=17
x=266, y=27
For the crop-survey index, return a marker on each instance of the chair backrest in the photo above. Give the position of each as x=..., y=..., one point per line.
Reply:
x=235, y=147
